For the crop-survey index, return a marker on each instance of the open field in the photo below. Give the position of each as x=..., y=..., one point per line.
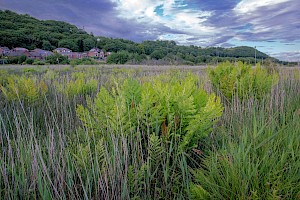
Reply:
x=148, y=132
x=106, y=66
x=152, y=67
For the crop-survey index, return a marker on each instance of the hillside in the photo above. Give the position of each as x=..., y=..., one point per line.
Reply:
x=25, y=31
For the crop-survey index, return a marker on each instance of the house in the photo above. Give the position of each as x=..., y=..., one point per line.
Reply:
x=35, y=55
x=4, y=51
x=40, y=54
x=74, y=55
x=18, y=51
x=95, y=53
x=62, y=50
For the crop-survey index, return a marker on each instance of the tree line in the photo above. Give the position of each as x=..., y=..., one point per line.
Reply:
x=22, y=30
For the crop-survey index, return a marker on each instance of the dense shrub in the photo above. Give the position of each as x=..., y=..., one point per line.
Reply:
x=242, y=80
x=22, y=59
x=78, y=85
x=24, y=88
x=162, y=119
x=38, y=62
x=3, y=77
x=57, y=59
x=164, y=106
x=118, y=58
x=13, y=60
x=84, y=61
x=29, y=61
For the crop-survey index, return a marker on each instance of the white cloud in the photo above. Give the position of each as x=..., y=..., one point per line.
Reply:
x=291, y=56
x=248, y=6
x=176, y=16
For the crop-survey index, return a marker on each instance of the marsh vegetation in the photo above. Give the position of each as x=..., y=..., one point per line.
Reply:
x=230, y=132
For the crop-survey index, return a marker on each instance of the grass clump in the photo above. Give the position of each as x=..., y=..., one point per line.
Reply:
x=261, y=164
x=23, y=88
x=255, y=152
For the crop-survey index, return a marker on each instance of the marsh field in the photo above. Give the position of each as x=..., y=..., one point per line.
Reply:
x=142, y=132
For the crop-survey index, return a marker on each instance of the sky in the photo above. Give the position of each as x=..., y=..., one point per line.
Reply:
x=272, y=26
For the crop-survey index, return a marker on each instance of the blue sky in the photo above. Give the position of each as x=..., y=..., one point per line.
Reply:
x=273, y=26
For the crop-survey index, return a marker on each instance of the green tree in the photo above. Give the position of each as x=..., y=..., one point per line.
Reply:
x=88, y=44
x=158, y=54
x=118, y=58
x=22, y=59
x=68, y=43
x=57, y=59
x=47, y=45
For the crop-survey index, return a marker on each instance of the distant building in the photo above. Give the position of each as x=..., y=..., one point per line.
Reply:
x=62, y=50
x=74, y=55
x=18, y=51
x=4, y=51
x=40, y=54
x=96, y=53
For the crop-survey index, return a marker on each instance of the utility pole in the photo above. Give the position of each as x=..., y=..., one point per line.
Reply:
x=255, y=55
x=98, y=39
x=217, y=54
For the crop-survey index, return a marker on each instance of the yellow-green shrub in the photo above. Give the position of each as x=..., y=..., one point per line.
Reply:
x=3, y=77
x=78, y=85
x=164, y=106
x=24, y=88
x=242, y=80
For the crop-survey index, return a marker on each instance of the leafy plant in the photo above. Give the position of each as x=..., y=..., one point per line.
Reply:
x=24, y=88
x=242, y=80
x=78, y=85
x=163, y=106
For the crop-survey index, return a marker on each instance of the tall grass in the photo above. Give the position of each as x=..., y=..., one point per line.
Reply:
x=255, y=152
x=47, y=153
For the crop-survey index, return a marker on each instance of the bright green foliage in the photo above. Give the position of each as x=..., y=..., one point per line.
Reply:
x=3, y=77
x=163, y=106
x=118, y=58
x=78, y=85
x=83, y=61
x=83, y=153
x=57, y=59
x=242, y=80
x=24, y=88
x=162, y=119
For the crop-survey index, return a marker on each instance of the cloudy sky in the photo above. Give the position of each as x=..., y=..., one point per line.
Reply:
x=273, y=26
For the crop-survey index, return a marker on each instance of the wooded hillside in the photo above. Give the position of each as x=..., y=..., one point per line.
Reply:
x=25, y=31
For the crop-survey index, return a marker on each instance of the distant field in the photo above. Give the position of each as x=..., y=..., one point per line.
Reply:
x=146, y=67
x=143, y=67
